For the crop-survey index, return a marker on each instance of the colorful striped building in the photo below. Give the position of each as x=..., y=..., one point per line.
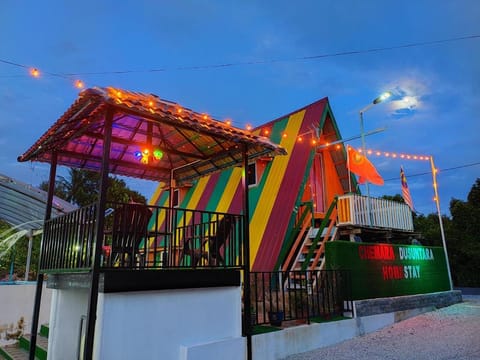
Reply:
x=278, y=187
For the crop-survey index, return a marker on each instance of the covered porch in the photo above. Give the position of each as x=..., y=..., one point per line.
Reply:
x=113, y=131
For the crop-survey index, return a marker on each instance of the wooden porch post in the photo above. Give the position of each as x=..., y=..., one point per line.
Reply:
x=247, y=324
x=38, y=290
x=97, y=251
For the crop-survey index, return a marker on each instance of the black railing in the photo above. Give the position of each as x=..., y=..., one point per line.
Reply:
x=299, y=295
x=139, y=236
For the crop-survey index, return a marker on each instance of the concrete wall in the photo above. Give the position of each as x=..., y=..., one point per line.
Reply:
x=372, y=315
x=68, y=307
x=17, y=300
x=170, y=324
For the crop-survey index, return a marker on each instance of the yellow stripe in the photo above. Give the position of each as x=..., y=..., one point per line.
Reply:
x=263, y=209
x=230, y=190
x=197, y=194
x=156, y=194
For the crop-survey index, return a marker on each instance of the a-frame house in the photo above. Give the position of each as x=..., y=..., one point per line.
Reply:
x=290, y=197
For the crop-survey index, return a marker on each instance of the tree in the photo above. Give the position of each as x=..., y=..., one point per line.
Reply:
x=464, y=245
x=82, y=187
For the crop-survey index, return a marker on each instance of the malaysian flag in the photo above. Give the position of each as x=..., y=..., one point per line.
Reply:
x=405, y=192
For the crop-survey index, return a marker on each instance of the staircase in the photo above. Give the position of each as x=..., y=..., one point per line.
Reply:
x=20, y=350
x=308, y=250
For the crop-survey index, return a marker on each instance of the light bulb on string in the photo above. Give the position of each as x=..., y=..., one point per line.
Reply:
x=79, y=84
x=34, y=72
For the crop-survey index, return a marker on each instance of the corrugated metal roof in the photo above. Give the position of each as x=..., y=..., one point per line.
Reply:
x=192, y=144
x=23, y=205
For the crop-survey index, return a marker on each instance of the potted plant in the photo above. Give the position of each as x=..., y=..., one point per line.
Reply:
x=276, y=313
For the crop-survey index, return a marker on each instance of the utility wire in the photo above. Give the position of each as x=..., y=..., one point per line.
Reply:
x=258, y=62
x=439, y=170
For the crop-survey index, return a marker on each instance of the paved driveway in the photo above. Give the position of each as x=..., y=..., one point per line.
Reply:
x=448, y=333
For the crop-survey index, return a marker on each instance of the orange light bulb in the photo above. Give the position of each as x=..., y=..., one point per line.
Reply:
x=34, y=72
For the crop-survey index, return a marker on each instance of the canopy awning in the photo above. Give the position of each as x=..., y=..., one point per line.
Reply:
x=151, y=138
x=23, y=206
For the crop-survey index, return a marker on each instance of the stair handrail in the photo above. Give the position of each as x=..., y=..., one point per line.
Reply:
x=315, y=240
x=307, y=207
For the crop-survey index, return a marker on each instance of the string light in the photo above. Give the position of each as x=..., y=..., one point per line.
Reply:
x=79, y=84
x=34, y=72
x=388, y=154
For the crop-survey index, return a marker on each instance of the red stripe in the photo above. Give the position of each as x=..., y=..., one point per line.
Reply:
x=282, y=210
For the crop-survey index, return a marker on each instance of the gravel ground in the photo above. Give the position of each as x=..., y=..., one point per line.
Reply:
x=448, y=333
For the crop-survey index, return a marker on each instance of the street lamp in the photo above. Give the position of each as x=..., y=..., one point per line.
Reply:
x=376, y=101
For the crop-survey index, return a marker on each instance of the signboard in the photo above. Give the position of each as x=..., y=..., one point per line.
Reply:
x=384, y=270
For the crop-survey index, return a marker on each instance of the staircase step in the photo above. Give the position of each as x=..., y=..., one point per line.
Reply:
x=42, y=345
x=44, y=329
x=20, y=350
x=13, y=352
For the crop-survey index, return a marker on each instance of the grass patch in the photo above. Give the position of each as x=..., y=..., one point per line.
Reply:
x=263, y=329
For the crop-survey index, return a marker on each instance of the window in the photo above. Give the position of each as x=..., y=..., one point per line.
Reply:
x=176, y=198
x=252, y=174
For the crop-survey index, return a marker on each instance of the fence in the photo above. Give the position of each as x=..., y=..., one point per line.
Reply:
x=364, y=211
x=299, y=295
x=138, y=236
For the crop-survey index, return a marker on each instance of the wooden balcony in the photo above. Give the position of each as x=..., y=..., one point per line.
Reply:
x=361, y=211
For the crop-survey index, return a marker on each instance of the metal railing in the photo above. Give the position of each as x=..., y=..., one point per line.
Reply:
x=299, y=295
x=139, y=236
x=353, y=210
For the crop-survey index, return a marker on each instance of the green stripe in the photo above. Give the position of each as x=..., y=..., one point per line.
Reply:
x=256, y=191
x=292, y=227
x=315, y=241
x=218, y=189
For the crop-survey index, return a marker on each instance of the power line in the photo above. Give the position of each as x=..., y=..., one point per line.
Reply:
x=440, y=171
x=257, y=62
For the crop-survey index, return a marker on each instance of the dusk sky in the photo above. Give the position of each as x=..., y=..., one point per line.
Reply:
x=278, y=56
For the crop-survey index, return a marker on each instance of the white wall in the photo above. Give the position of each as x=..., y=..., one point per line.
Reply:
x=68, y=306
x=298, y=339
x=170, y=324
x=17, y=301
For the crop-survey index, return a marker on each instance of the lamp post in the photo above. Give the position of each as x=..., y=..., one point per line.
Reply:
x=376, y=101
x=437, y=203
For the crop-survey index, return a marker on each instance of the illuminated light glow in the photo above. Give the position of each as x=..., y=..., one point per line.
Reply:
x=150, y=103
x=369, y=152
x=387, y=154
x=266, y=131
x=145, y=152
x=394, y=155
x=338, y=146
x=79, y=84
x=378, y=153
x=327, y=144
x=376, y=252
x=415, y=157
x=34, y=72
x=359, y=150
x=119, y=94
x=228, y=122
x=408, y=157
x=248, y=127
x=205, y=116
x=138, y=154
x=179, y=110
x=157, y=154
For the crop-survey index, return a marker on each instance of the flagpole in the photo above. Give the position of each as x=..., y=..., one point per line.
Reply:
x=349, y=173
x=364, y=150
x=437, y=203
